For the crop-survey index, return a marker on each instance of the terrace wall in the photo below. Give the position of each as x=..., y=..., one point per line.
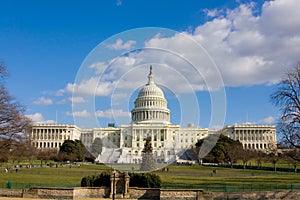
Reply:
x=145, y=193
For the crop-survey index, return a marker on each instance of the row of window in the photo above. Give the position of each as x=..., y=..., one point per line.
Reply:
x=253, y=131
x=49, y=130
x=259, y=138
x=256, y=146
x=46, y=144
x=151, y=103
x=49, y=136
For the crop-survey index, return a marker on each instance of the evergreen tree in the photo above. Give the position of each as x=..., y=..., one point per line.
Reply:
x=72, y=150
x=148, y=163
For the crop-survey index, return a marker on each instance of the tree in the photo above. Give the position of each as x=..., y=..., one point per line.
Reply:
x=46, y=155
x=232, y=150
x=72, y=150
x=96, y=147
x=245, y=156
x=12, y=119
x=17, y=151
x=273, y=157
x=30, y=151
x=4, y=153
x=259, y=157
x=292, y=156
x=287, y=98
x=226, y=150
x=148, y=163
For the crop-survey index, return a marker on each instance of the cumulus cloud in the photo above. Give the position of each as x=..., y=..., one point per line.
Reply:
x=112, y=113
x=77, y=99
x=83, y=113
x=247, y=46
x=39, y=118
x=99, y=67
x=100, y=113
x=268, y=120
x=120, y=45
x=211, y=13
x=42, y=101
x=89, y=87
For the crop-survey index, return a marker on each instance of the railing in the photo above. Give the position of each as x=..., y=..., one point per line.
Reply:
x=205, y=187
x=235, y=188
x=17, y=185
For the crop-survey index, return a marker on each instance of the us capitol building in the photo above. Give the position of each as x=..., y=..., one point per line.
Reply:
x=150, y=118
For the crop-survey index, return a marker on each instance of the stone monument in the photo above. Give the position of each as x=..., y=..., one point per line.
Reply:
x=119, y=185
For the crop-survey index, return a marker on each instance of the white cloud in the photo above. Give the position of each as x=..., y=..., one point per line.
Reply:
x=100, y=113
x=211, y=13
x=43, y=101
x=73, y=100
x=248, y=47
x=268, y=120
x=77, y=99
x=90, y=87
x=99, y=67
x=112, y=113
x=38, y=118
x=120, y=45
x=83, y=113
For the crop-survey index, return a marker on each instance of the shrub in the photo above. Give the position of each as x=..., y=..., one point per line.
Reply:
x=145, y=180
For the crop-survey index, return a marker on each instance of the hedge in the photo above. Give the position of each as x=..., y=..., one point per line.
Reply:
x=145, y=180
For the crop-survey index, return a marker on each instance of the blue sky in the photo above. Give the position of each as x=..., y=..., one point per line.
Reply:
x=96, y=55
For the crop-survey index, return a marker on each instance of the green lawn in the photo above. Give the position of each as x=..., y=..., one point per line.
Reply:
x=190, y=177
x=201, y=177
x=49, y=176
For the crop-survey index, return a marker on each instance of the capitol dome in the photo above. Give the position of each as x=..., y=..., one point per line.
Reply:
x=150, y=105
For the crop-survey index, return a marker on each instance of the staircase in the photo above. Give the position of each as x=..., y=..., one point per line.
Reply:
x=108, y=155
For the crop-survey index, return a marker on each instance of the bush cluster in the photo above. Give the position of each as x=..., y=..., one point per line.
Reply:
x=145, y=180
x=102, y=179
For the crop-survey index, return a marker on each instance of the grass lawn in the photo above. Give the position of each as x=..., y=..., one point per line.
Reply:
x=49, y=176
x=190, y=177
x=201, y=177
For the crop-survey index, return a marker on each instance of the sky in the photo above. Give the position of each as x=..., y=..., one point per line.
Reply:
x=83, y=62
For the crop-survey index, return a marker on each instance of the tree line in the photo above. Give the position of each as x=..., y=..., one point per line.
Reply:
x=229, y=151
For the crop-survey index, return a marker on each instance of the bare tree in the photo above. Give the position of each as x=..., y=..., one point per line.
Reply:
x=13, y=123
x=31, y=151
x=292, y=156
x=273, y=156
x=246, y=155
x=259, y=157
x=47, y=154
x=17, y=151
x=287, y=98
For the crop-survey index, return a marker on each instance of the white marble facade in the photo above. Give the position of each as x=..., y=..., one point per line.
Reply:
x=150, y=117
